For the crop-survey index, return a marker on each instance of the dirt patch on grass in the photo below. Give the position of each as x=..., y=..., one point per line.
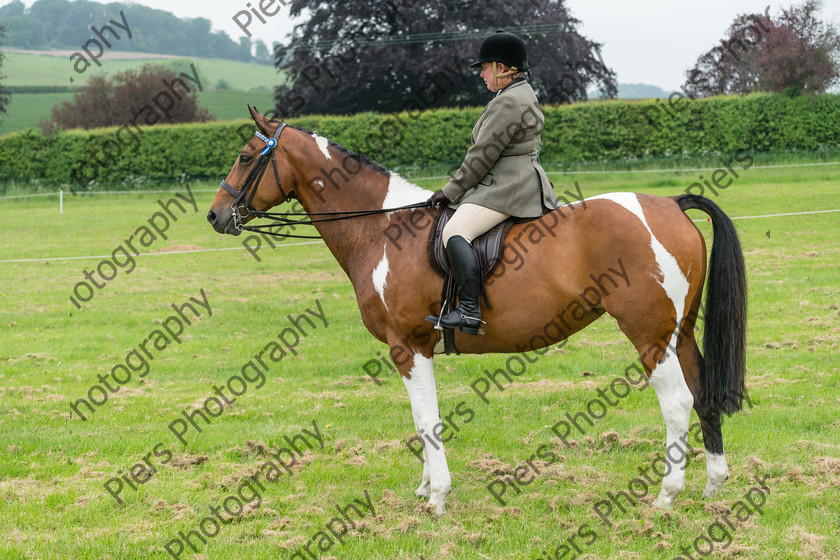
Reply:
x=39, y=357
x=491, y=465
x=810, y=545
x=611, y=438
x=24, y=489
x=186, y=460
x=178, y=510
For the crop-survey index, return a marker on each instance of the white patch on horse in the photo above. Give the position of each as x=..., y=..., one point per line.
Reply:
x=380, y=276
x=667, y=377
x=424, y=407
x=676, y=401
x=673, y=280
x=403, y=193
x=716, y=473
x=323, y=145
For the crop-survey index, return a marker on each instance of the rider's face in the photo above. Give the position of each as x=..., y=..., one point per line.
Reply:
x=488, y=73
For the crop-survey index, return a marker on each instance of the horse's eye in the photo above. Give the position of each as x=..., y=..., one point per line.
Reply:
x=245, y=159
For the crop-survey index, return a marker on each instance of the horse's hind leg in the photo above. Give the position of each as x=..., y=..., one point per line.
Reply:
x=675, y=400
x=655, y=338
x=717, y=470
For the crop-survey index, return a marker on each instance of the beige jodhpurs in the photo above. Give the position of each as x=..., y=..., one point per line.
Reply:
x=470, y=221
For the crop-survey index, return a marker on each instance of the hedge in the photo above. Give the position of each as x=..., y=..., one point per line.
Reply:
x=584, y=132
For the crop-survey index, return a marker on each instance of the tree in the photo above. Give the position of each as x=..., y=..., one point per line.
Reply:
x=382, y=55
x=244, y=49
x=261, y=54
x=795, y=53
x=801, y=55
x=64, y=24
x=117, y=100
x=4, y=93
x=21, y=31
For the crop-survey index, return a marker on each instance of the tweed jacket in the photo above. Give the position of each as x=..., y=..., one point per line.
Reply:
x=501, y=170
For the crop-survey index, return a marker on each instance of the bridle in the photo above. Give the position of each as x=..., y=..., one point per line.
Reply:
x=283, y=218
x=254, y=177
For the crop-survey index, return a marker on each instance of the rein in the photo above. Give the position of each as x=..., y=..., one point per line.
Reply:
x=284, y=219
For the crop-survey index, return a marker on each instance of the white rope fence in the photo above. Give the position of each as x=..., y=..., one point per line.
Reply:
x=284, y=245
x=60, y=193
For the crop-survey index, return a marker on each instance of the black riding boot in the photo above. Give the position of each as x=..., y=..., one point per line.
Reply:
x=466, y=269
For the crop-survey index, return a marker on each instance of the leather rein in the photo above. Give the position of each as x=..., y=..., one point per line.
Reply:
x=284, y=219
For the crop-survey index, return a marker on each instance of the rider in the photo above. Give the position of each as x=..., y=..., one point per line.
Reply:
x=500, y=176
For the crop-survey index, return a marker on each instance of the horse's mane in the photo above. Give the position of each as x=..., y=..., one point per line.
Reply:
x=350, y=153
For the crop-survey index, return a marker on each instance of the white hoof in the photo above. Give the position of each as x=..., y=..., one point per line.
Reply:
x=717, y=473
x=711, y=490
x=423, y=490
x=439, y=509
x=664, y=500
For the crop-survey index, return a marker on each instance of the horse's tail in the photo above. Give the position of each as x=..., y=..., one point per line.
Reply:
x=724, y=340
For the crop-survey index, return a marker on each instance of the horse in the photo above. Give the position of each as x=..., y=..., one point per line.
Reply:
x=655, y=301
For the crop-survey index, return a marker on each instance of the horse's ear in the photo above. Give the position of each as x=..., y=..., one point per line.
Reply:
x=262, y=123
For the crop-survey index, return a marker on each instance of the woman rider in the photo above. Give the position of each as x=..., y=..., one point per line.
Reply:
x=501, y=175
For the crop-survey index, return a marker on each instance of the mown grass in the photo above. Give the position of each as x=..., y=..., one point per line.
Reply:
x=53, y=466
x=23, y=69
x=249, y=83
x=26, y=110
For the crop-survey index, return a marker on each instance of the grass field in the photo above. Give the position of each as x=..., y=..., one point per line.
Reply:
x=23, y=69
x=26, y=109
x=53, y=503
x=250, y=83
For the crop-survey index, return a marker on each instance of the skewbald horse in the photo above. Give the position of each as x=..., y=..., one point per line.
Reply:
x=663, y=255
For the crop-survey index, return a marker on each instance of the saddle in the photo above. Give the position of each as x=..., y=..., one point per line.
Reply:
x=489, y=247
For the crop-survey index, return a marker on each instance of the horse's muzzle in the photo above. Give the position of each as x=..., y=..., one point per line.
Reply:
x=222, y=222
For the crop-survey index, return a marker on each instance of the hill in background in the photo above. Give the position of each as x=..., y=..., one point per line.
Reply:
x=634, y=91
x=39, y=82
x=60, y=24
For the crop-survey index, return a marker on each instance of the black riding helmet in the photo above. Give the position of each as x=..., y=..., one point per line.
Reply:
x=505, y=47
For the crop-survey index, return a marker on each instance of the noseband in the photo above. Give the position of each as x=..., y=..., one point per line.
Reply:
x=254, y=177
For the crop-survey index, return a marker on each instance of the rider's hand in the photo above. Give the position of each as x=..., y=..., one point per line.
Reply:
x=437, y=199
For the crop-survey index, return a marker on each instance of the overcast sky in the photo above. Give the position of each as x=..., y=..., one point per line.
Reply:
x=645, y=41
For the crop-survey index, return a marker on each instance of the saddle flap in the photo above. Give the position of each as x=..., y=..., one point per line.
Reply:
x=489, y=246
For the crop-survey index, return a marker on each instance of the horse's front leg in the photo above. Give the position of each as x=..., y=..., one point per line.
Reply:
x=419, y=378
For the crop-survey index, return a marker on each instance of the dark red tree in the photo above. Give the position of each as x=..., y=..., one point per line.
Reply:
x=795, y=53
x=800, y=54
x=115, y=101
x=387, y=56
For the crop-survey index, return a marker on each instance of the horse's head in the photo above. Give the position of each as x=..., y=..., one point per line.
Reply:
x=262, y=177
